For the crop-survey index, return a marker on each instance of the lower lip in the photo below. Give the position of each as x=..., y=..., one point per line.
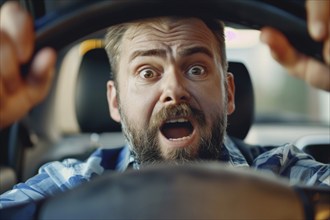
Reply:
x=177, y=143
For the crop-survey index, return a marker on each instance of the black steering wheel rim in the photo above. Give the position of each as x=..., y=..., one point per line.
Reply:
x=190, y=191
x=87, y=17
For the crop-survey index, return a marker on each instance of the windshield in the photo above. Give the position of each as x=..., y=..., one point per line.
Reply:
x=278, y=96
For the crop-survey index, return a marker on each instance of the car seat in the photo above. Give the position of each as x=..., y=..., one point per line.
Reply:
x=91, y=103
x=95, y=126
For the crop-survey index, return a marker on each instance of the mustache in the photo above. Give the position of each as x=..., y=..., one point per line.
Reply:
x=183, y=110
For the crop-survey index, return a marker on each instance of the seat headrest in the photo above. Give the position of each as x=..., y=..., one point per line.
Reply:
x=240, y=121
x=92, y=107
x=91, y=104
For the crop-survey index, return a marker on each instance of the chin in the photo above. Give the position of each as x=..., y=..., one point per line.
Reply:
x=182, y=153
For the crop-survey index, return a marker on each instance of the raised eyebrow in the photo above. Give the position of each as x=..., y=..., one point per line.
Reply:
x=144, y=53
x=193, y=50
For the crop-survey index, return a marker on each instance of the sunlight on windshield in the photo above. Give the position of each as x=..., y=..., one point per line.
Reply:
x=278, y=95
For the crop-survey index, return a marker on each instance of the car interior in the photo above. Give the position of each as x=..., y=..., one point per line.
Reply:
x=74, y=119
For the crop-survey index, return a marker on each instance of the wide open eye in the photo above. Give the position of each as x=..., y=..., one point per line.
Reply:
x=196, y=71
x=147, y=73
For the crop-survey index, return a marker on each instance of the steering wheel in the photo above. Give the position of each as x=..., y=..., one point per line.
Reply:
x=71, y=22
x=195, y=191
x=189, y=191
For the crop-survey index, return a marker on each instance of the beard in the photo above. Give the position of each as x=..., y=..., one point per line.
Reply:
x=145, y=146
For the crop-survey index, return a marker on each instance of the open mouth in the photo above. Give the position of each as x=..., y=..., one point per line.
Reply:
x=177, y=129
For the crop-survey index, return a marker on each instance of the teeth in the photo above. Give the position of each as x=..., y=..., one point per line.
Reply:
x=179, y=139
x=179, y=120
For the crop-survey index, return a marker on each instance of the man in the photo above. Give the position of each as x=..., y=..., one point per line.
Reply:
x=178, y=85
x=174, y=72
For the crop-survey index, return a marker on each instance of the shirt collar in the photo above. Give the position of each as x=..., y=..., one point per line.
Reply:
x=124, y=159
x=236, y=158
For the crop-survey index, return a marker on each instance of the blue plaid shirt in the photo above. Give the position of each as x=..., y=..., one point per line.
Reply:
x=54, y=177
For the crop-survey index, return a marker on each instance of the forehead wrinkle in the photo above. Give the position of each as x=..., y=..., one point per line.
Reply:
x=142, y=35
x=194, y=50
x=145, y=53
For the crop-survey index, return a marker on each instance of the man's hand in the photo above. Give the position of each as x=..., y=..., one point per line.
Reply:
x=17, y=94
x=312, y=71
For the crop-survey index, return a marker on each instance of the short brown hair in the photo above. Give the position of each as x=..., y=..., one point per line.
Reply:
x=115, y=34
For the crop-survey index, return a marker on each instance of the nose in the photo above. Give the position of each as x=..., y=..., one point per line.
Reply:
x=174, y=89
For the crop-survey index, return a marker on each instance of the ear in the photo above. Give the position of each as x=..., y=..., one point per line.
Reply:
x=112, y=101
x=230, y=93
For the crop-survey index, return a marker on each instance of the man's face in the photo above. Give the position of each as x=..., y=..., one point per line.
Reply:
x=171, y=99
